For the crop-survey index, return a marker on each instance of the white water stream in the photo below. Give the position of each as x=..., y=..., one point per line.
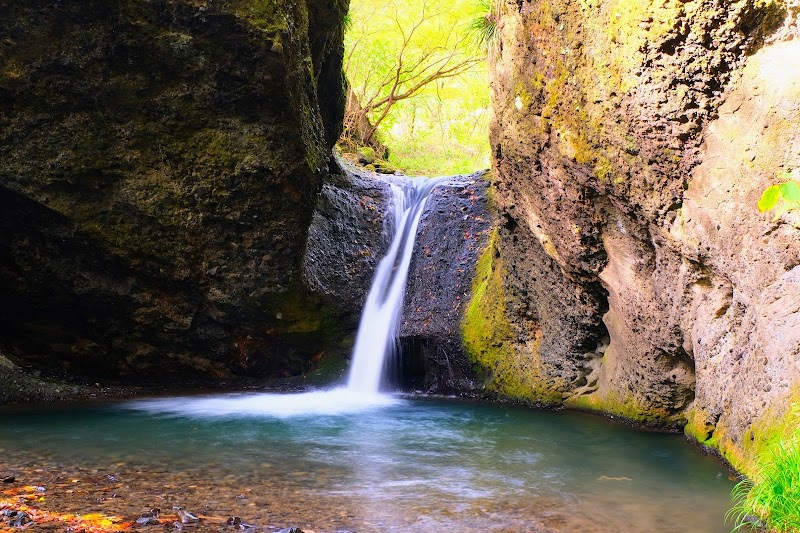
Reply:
x=380, y=318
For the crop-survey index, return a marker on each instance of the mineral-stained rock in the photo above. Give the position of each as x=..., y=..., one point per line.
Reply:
x=631, y=142
x=453, y=231
x=159, y=162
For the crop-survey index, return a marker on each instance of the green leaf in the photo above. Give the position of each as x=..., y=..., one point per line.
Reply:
x=790, y=191
x=769, y=198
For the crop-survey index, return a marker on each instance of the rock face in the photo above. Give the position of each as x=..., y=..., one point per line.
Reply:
x=346, y=240
x=350, y=233
x=453, y=231
x=159, y=162
x=633, y=271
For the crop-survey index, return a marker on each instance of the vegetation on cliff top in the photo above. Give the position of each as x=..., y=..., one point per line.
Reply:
x=419, y=84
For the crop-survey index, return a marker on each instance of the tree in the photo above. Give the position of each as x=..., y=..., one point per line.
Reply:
x=403, y=52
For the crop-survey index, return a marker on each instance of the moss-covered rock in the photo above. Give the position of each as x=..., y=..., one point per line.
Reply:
x=159, y=163
x=631, y=141
x=452, y=233
x=508, y=370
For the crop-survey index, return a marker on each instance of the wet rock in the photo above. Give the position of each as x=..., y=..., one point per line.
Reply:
x=8, y=479
x=187, y=517
x=453, y=232
x=18, y=519
x=346, y=239
x=149, y=518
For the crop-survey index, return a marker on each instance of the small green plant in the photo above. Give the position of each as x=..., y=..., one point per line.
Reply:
x=783, y=197
x=771, y=502
x=484, y=27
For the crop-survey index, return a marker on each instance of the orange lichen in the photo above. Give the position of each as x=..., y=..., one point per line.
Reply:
x=21, y=499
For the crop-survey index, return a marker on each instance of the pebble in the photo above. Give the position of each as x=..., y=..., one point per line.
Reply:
x=187, y=517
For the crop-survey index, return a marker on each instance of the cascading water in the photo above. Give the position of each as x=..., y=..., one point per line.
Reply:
x=382, y=311
x=374, y=342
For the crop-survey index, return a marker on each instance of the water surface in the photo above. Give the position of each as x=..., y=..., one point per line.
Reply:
x=395, y=465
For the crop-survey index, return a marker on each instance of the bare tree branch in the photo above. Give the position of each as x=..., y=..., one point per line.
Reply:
x=417, y=64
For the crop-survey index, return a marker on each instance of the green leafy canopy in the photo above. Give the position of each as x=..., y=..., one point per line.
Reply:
x=420, y=81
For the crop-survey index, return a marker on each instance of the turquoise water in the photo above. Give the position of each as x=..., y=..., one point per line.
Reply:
x=401, y=465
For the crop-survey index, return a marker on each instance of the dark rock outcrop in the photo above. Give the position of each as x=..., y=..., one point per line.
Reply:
x=159, y=162
x=347, y=238
x=453, y=231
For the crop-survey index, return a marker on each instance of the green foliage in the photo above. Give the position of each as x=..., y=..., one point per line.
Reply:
x=769, y=198
x=783, y=197
x=453, y=144
x=774, y=499
x=419, y=84
x=770, y=499
x=484, y=27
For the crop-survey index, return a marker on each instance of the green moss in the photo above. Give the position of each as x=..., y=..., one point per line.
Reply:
x=762, y=454
x=303, y=312
x=538, y=81
x=765, y=434
x=770, y=457
x=603, y=169
x=367, y=153
x=628, y=407
x=211, y=148
x=698, y=425
x=489, y=337
x=524, y=95
x=263, y=14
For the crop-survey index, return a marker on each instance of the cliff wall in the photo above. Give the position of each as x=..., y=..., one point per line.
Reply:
x=159, y=164
x=634, y=273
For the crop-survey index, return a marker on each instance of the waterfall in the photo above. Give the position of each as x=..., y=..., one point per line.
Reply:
x=375, y=341
x=380, y=318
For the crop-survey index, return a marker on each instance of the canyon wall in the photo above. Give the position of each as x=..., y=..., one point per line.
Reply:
x=159, y=165
x=632, y=272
